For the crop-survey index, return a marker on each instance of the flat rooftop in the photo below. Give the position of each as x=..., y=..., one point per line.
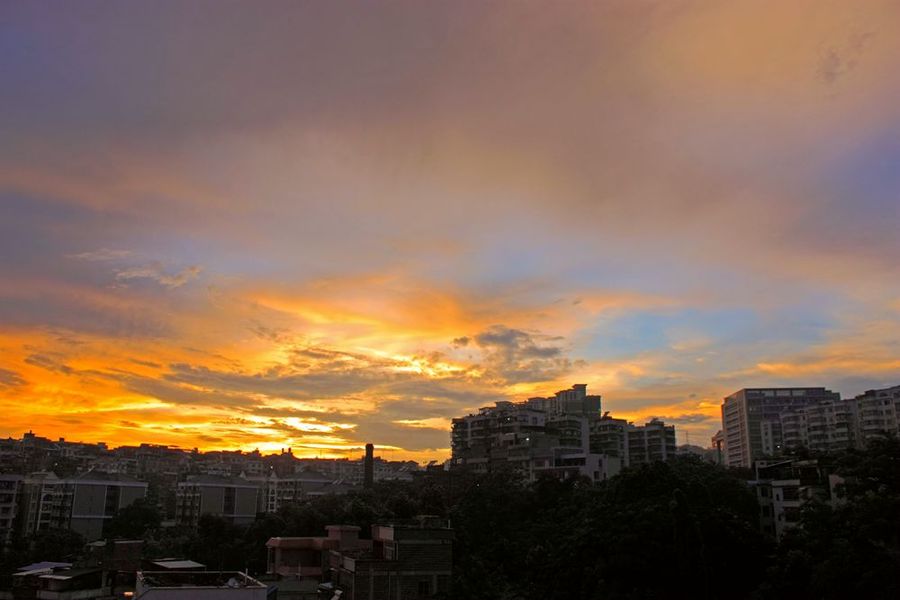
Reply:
x=200, y=579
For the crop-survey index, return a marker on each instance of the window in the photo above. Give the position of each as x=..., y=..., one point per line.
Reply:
x=229, y=503
x=111, y=506
x=424, y=588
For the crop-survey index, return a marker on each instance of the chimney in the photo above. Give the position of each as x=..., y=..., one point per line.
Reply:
x=369, y=467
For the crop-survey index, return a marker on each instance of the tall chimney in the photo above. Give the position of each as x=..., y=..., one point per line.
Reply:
x=369, y=467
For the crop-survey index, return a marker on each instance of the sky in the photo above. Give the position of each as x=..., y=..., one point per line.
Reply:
x=319, y=224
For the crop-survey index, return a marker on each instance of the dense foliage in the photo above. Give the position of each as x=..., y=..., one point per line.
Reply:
x=681, y=529
x=850, y=548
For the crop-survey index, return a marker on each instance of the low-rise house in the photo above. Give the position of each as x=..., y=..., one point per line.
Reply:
x=306, y=557
x=405, y=562
x=784, y=487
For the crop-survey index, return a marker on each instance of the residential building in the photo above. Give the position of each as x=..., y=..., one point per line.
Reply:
x=634, y=444
x=877, y=412
x=563, y=435
x=823, y=424
x=574, y=401
x=232, y=498
x=751, y=420
x=307, y=557
x=10, y=489
x=405, y=562
x=351, y=472
x=83, y=503
x=653, y=441
x=609, y=436
x=59, y=581
x=821, y=427
x=783, y=487
x=275, y=491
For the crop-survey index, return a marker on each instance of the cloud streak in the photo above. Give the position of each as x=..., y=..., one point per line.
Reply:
x=157, y=273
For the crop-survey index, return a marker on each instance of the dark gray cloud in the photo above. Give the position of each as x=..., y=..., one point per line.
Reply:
x=439, y=397
x=69, y=310
x=10, y=378
x=837, y=61
x=157, y=272
x=517, y=356
x=146, y=363
x=687, y=419
x=378, y=430
x=280, y=381
x=50, y=362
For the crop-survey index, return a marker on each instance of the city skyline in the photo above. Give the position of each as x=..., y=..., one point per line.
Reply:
x=298, y=225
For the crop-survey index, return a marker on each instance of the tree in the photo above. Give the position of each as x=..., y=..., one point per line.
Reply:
x=134, y=521
x=61, y=545
x=849, y=548
x=682, y=529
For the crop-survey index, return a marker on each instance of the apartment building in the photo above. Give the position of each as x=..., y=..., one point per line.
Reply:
x=765, y=423
x=10, y=489
x=275, y=491
x=822, y=427
x=877, y=412
x=352, y=471
x=232, y=498
x=564, y=435
x=751, y=420
x=653, y=441
x=83, y=503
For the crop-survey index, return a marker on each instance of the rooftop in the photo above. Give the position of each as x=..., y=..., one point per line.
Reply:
x=199, y=579
x=218, y=480
x=177, y=564
x=45, y=565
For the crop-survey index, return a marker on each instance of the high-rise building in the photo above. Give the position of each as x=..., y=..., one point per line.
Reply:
x=609, y=436
x=820, y=427
x=818, y=421
x=751, y=420
x=877, y=412
x=563, y=435
x=650, y=442
x=574, y=401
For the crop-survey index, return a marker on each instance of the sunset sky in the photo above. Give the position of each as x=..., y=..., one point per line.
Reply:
x=261, y=225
